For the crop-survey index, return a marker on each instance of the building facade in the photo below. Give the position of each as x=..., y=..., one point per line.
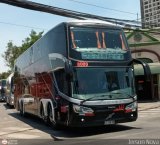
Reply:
x=150, y=13
x=145, y=45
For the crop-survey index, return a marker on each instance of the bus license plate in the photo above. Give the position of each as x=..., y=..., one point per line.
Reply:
x=109, y=122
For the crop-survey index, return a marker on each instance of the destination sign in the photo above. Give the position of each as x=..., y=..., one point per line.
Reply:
x=107, y=56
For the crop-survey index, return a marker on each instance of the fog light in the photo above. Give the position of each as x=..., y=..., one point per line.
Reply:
x=82, y=119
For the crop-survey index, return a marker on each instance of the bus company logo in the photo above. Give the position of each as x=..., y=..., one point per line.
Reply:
x=111, y=107
x=119, y=108
x=4, y=142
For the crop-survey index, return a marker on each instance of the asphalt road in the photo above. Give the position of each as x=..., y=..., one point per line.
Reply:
x=31, y=131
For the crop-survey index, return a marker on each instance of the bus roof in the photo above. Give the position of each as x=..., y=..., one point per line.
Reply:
x=93, y=22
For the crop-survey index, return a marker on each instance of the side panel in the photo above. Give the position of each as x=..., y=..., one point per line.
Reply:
x=33, y=77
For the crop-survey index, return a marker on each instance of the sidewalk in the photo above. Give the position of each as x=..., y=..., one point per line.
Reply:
x=148, y=105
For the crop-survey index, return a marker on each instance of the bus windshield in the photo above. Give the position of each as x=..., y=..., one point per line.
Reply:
x=97, y=43
x=103, y=83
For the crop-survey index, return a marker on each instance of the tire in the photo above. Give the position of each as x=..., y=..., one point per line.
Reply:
x=44, y=118
x=21, y=111
x=7, y=103
x=54, y=125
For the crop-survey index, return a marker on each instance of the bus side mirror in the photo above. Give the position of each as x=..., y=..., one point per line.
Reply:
x=146, y=68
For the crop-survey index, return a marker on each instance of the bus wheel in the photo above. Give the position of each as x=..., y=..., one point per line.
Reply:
x=7, y=103
x=50, y=119
x=21, y=109
x=44, y=118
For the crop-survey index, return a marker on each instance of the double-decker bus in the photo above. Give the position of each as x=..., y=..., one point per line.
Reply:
x=78, y=74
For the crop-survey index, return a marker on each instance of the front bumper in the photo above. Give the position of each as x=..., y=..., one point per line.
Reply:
x=100, y=120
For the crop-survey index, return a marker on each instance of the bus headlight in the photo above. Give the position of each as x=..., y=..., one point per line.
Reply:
x=83, y=111
x=131, y=107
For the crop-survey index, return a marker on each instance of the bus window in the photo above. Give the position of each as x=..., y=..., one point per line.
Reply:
x=112, y=78
x=106, y=81
x=113, y=40
x=96, y=38
x=84, y=39
x=97, y=44
x=62, y=81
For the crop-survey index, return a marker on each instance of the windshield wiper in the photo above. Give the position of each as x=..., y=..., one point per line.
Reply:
x=123, y=93
x=110, y=96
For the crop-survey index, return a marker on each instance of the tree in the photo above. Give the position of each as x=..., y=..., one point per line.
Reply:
x=13, y=51
x=33, y=37
x=11, y=54
x=4, y=75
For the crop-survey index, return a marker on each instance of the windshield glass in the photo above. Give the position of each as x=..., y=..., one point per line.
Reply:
x=97, y=43
x=103, y=83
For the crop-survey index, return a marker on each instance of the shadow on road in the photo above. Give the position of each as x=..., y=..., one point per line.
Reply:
x=89, y=131
x=7, y=106
x=66, y=132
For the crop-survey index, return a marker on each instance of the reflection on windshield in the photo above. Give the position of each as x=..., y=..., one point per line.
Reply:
x=112, y=82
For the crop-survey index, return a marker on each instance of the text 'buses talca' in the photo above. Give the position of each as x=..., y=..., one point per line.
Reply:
x=78, y=74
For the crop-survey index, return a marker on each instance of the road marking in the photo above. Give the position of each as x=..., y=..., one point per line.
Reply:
x=6, y=122
x=1, y=133
x=22, y=136
x=149, y=113
x=16, y=131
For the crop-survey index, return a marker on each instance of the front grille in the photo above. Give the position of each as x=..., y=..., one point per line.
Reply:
x=103, y=112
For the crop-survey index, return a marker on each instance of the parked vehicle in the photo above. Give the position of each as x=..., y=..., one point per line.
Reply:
x=10, y=90
x=2, y=90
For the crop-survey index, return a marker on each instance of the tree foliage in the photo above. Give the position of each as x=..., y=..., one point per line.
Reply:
x=13, y=51
x=4, y=75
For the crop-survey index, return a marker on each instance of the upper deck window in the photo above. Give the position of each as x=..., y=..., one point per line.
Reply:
x=92, y=38
x=97, y=43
